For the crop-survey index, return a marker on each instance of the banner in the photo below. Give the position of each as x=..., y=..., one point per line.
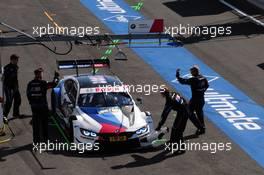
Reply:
x=146, y=26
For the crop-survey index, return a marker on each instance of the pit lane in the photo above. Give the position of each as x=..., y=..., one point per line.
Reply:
x=28, y=14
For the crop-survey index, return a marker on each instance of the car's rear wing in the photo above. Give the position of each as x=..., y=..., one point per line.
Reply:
x=79, y=64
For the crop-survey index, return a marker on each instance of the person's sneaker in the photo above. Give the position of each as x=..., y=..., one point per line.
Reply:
x=200, y=131
x=5, y=120
x=178, y=152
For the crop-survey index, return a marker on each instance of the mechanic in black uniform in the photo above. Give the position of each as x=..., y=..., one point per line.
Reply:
x=176, y=102
x=36, y=93
x=11, y=88
x=199, y=85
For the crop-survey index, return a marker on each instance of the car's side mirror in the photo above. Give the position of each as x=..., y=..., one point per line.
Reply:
x=139, y=100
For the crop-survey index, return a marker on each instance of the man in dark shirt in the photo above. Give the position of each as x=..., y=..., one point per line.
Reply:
x=175, y=102
x=11, y=88
x=199, y=85
x=37, y=97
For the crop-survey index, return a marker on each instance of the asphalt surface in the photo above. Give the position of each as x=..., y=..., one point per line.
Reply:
x=235, y=58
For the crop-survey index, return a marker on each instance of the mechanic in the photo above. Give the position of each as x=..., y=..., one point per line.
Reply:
x=199, y=85
x=36, y=94
x=174, y=101
x=11, y=88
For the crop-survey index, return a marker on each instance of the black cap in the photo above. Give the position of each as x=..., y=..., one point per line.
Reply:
x=195, y=67
x=38, y=70
x=14, y=57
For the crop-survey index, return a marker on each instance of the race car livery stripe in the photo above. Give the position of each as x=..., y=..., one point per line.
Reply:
x=230, y=109
x=106, y=118
x=107, y=128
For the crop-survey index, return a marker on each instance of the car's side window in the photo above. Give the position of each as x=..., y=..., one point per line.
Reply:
x=71, y=90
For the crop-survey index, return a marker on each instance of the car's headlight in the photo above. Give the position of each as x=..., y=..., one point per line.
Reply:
x=88, y=133
x=142, y=130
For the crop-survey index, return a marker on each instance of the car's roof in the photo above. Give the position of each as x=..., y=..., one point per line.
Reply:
x=87, y=81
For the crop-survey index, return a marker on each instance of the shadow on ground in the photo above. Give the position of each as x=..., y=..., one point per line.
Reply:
x=140, y=161
x=261, y=66
x=6, y=151
x=188, y=8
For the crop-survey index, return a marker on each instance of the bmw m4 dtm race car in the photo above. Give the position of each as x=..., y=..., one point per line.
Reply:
x=99, y=109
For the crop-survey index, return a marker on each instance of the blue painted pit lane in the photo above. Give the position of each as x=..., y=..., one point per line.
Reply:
x=227, y=107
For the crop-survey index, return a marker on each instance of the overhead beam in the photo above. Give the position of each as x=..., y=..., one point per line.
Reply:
x=18, y=40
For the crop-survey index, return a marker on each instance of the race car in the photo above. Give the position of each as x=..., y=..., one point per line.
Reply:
x=95, y=108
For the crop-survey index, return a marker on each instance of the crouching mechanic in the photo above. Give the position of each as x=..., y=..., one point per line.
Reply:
x=175, y=102
x=37, y=97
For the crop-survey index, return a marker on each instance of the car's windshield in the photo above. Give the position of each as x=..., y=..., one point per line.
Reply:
x=103, y=99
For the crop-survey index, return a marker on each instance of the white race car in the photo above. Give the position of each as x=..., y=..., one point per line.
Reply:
x=99, y=109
